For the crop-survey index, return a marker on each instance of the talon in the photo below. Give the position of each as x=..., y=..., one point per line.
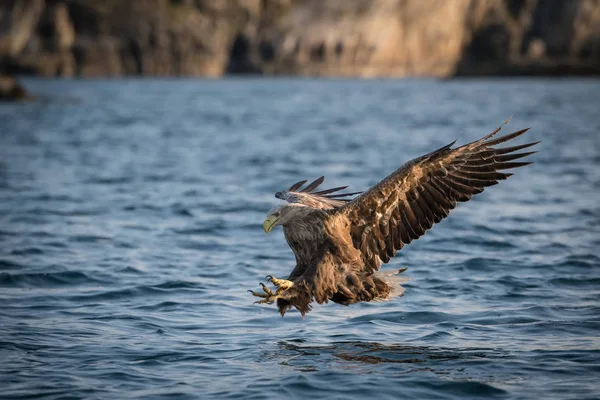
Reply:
x=256, y=294
x=266, y=289
x=268, y=297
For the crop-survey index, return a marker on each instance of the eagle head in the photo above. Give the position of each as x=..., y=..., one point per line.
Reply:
x=282, y=214
x=273, y=218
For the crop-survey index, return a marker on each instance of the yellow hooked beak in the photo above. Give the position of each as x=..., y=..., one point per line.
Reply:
x=269, y=223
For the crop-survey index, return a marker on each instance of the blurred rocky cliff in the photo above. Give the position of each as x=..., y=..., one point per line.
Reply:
x=299, y=37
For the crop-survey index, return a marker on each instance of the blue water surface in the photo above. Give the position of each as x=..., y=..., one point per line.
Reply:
x=131, y=227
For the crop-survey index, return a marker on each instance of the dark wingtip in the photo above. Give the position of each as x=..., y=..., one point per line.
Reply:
x=313, y=185
x=326, y=191
x=448, y=146
x=505, y=138
x=296, y=185
x=498, y=129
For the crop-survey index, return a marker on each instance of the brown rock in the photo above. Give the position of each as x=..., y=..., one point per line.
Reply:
x=11, y=90
x=18, y=22
x=532, y=37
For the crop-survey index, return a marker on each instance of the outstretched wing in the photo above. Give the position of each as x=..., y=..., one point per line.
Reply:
x=324, y=199
x=403, y=206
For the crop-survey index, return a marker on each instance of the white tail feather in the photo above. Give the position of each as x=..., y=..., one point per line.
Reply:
x=394, y=281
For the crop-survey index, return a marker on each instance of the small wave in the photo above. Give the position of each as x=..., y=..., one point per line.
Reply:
x=159, y=178
x=163, y=306
x=418, y=317
x=183, y=212
x=502, y=320
x=576, y=282
x=7, y=264
x=168, y=357
x=466, y=389
x=482, y=264
x=495, y=244
x=38, y=212
x=46, y=197
x=134, y=207
x=27, y=251
x=437, y=336
x=46, y=279
x=587, y=261
x=198, y=245
x=209, y=229
x=171, y=285
x=89, y=238
x=109, y=180
x=139, y=291
x=22, y=346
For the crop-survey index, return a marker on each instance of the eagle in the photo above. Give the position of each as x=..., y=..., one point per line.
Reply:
x=341, y=242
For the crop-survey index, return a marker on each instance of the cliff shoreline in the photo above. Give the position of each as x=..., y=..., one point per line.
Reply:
x=356, y=38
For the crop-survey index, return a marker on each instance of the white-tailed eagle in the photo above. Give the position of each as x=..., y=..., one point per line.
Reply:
x=340, y=243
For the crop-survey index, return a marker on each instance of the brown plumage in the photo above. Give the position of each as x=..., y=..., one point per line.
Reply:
x=340, y=244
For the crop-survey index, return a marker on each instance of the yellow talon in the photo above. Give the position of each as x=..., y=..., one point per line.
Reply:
x=269, y=296
x=282, y=284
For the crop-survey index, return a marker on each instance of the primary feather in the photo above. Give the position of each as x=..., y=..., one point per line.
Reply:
x=323, y=199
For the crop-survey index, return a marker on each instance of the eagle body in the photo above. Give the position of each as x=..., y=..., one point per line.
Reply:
x=328, y=266
x=340, y=243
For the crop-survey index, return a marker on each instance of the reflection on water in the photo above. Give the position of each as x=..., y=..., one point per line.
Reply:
x=297, y=354
x=402, y=361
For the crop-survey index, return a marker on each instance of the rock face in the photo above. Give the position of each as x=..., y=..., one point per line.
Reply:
x=532, y=37
x=354, y=38
x=115, y=37
x=11, y=90
x=299, y=37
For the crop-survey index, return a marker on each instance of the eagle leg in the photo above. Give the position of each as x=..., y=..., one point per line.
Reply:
x=269, y=296
x=282, y=284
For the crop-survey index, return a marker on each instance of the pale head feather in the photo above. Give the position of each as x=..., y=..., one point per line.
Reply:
x=285, y=213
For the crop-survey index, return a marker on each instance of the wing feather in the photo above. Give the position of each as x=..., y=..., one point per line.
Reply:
x=404, y=205
x=313, y=185
x=335, y=189
x=324, y=199
x=296, y=186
